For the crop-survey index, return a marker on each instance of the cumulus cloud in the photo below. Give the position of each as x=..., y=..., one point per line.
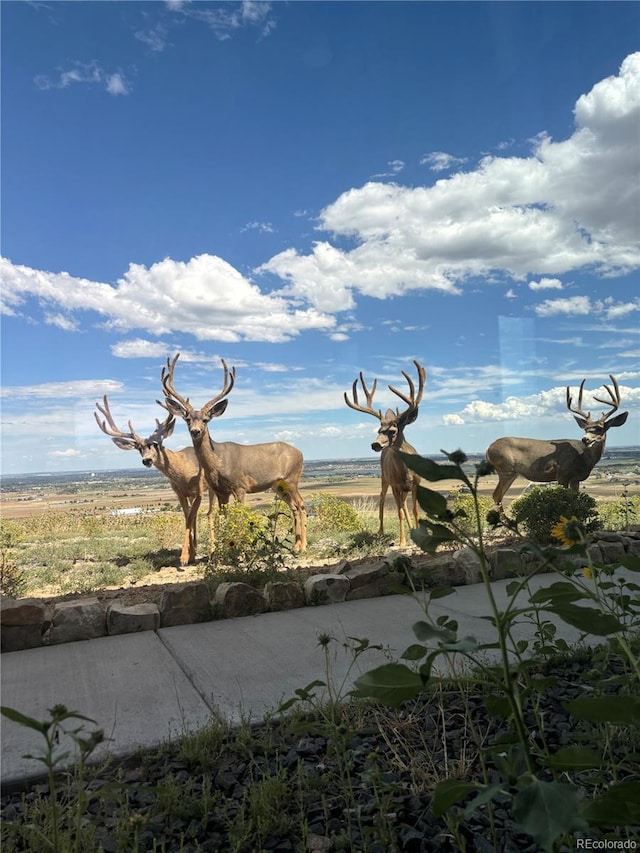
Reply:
x=91, y=74
x=535, y=406
x=546, y=284
x=572, y=305
x=205, y=297
x=65, y=454
x=583, y=306
x=570, y=205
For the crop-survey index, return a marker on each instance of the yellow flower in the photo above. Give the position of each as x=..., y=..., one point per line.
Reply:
x=568, y=531
x=586, y=571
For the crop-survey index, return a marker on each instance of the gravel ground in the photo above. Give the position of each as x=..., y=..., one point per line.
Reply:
x=361, y=781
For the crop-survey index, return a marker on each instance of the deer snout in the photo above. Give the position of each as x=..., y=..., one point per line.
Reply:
x=195, y=432
x=376, y=446
x=147, y=463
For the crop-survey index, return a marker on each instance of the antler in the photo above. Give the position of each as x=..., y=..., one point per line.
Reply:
x=613, y=401
x=412, y=401
x=112, y=430
x=368, y=409
x=170, y=391
x=162, y=430
x=579, y=410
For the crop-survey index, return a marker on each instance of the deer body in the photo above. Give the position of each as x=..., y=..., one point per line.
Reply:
x=390, y=439
x=565, y=461
x=239, y=469
x=180, y=467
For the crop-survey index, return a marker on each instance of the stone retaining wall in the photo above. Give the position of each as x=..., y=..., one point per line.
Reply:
x=30, y=623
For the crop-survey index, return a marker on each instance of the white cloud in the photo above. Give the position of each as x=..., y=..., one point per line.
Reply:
x=205, y=297
x=546, y=284
x=570, y=205
x=140, y=348
x=115, y=84
x=91, y=74
x=65, y=454
x=62, y=322
x=572, y=305
x=395, y=167
x=439, y=161
x=79, y=389
x=535, y=406
x=263, y=227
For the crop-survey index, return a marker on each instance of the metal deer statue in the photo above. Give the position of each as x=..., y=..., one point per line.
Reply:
x=181, y=468
x=238, y=469
x=389, y=441
x=565, y=460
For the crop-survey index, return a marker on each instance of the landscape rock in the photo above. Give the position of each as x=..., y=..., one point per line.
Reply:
x=23, y=623
x=128, y=620
x=505, y=563
x=283, y=595
x=81, y=619
x=185, y=605
x=238, y=599
x=326, y=589
x=612, y=552
x=466, y=561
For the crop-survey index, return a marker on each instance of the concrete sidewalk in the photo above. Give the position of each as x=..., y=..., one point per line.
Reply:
x=145, y=688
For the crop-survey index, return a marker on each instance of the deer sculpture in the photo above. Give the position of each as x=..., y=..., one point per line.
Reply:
x=238, y=469
x=389, y=441
x=181, y=468
x=567, y=461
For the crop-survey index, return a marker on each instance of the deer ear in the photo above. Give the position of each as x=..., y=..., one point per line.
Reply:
x=215, y=411
x=173, y=407
x=582, y=423
x=618, y=420
x=123, y=443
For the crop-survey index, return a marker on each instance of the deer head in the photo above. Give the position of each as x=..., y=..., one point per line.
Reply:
x=596, y=430
x=148, y=448
x=179, y=406
x=392, y=423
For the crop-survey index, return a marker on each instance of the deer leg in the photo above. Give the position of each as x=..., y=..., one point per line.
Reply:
x=383, y=497
x=299, y=519
x=414, y=501
x=505, y=481
x=190, y=512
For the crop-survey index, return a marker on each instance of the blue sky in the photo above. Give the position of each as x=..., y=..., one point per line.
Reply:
x=309, y=190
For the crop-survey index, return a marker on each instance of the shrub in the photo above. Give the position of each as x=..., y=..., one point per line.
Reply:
x=333, y=514
x=13, y=581
x=462, y=505
x=236, y=530
x=541, y=508
x=620, y=514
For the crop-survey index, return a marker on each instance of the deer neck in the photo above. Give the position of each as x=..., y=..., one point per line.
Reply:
x=208, y=457
x=163, y=461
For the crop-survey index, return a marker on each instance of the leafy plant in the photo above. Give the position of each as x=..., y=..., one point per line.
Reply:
x=539, y=509
x=68, y=800
x=525, y=769
x=331, y=513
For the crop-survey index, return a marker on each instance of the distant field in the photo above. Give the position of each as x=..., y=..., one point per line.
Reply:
x=158, y=494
